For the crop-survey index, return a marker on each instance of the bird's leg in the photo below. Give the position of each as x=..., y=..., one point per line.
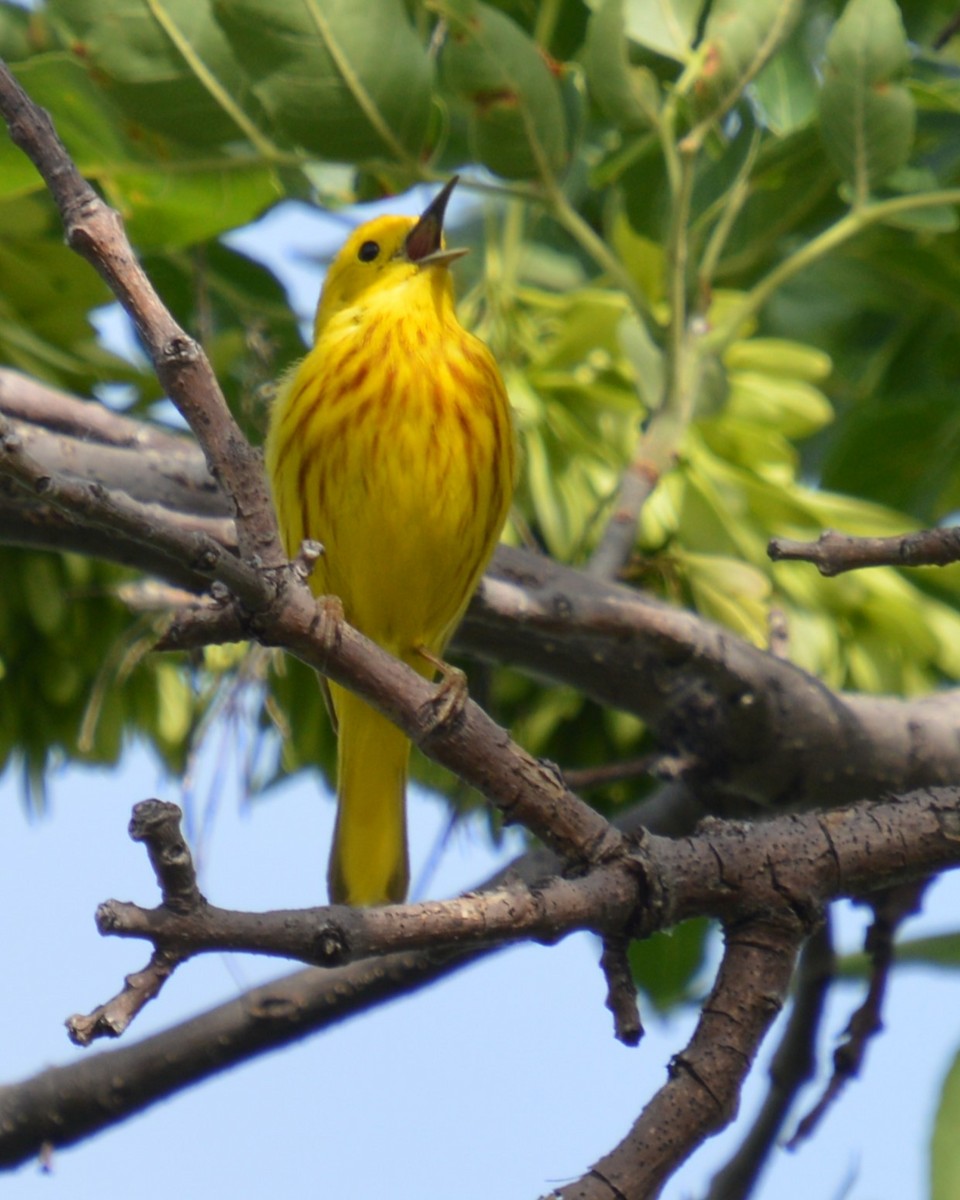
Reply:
x=328, y=622
x=449, y=700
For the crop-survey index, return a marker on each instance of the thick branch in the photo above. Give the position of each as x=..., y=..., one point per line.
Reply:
x=792, y=1066
x=846, y=852
x=466, y=741
x=702, y=1092
x=750, y=725
x=63, y=1105
x=745, y=725
x=728, y=870
x=50, y=408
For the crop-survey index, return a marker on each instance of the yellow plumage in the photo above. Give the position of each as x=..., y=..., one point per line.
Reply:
x=391, y=444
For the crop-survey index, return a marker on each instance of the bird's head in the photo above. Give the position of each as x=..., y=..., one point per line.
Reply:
x=385, y=253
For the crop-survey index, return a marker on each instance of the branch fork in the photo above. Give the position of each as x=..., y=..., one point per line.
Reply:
x=185, y=924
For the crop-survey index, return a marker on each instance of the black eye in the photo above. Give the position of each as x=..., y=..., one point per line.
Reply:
x=368, y=251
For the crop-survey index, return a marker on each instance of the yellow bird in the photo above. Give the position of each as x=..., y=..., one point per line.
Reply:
x=391, y=443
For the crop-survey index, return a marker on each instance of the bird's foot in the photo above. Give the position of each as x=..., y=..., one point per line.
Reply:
x=445, y=707
x=327, y=625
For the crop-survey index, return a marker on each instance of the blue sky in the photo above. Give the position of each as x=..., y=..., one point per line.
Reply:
x=497, y=1082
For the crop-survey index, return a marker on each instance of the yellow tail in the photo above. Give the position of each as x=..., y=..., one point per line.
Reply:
x=368, y=862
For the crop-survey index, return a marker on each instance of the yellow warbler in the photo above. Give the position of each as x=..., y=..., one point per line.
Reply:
x=391, y=444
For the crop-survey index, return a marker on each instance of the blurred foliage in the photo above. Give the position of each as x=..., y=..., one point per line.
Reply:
x=670, y=964
x=944, y=1159
x=726, y=231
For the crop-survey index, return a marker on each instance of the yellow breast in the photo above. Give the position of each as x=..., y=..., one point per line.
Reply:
x=392, y=445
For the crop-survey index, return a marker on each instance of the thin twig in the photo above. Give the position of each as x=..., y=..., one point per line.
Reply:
x=62, y=1105
x=621, y=990
x=778, y=633
x=156, y=823
x=833, y=553
x=579, y=779
x=113, y=1018
x=789, y=865
x=620, y=533
x=890, y=909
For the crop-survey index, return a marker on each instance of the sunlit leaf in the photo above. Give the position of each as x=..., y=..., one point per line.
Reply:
x=665, y=26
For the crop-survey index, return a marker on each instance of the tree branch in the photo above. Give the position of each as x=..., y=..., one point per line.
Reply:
x=726, y=870
x=785, y=866
x=833, y=553
x=746, y=727
x=891, y=908
x=96, y=232
x=729, y=871
x=184, y=924
x=63, y=1105
x=793, y=1065
x=703, y=1088
x=290, y=618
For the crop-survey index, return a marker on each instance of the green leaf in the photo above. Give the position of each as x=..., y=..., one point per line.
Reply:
x=777, y=356
x=729, y=591
x=942, y=218
x=628, y=96
x=738, y=41
x=336, y=78
x=46, y=292
x=515, y=109
x=646, y=358
x=18, y=175
x=167, y=209
x=790, y=406
x=166, y=64
x=898, y=450
x=667, y=966
x=944, y=1144
x=867, y=117
x=667, y=27
x=86, y=121
x=786, y=89
x=168, y=195
x=22, y=33
x=939, y=950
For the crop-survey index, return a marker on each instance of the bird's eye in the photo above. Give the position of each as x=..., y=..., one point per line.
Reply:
x=368, y=251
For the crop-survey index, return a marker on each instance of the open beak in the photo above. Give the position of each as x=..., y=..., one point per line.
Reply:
x=424, y=244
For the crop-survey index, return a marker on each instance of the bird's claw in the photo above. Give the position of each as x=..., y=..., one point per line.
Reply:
x=445, y=707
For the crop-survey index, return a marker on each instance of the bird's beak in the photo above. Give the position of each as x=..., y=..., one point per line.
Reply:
x=424, y=244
